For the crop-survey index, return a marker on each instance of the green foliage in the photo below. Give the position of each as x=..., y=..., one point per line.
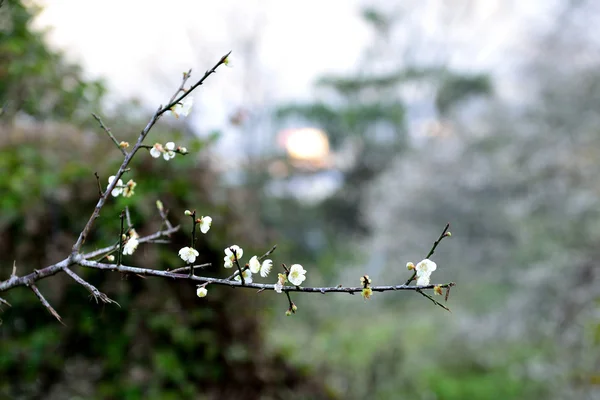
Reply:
x=37, y=80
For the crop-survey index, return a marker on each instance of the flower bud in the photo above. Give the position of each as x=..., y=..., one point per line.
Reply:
x=187, y=212
x=159, y=205
x=410, y=266
x=124, y=145
x=437, y=289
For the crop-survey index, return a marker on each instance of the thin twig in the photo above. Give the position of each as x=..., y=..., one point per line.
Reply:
x=109, y=133
x=161, y=110
x=45, y=303
x=434, y=300
x=91, y=288
x=190, y=266
x=435, y=244
x=237, y=263
x=164, y=214
x=120, y=253
x=128, y=218
x=99, y=184
x=2, y=301
x=146, y=239
x=271, y=250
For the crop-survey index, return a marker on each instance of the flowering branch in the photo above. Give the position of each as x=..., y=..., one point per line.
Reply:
x=444, y=234
x=253, y=285
x=180, y=104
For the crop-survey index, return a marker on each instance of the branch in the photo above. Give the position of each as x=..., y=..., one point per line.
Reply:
x=92, y=289
x=161, y=110
x=150, y=238
x=232, y=283
x=45, y=303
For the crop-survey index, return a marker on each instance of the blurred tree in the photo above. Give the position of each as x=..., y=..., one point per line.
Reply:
x=519, y=181
x=35, y=79
x=162, y=343
x=366, y=118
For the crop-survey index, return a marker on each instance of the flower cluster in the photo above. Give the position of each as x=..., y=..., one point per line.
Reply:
x=125, y=189
x=168, y=151
x=296, y=275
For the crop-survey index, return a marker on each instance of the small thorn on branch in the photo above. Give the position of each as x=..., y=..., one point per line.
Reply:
x=45, y=303
x=2, y=301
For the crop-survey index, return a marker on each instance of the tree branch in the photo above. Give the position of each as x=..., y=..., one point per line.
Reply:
x=92, y=289
x=234, y=283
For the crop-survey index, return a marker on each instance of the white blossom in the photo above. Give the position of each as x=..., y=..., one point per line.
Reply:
x=188, y=254
x=230, y=257
x=297, y=274
x=201, y=292
x=183, y=108
x=156, y=150
x=169, y=151
x=247, y=274
x=118, y=187
x=265, y=268
x=425, y=267
x=205, y=223
x=423, y=280
x=130, y=246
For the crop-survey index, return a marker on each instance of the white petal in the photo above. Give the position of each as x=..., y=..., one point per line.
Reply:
x=265, y=269
x=254, y=265
x=201, y=292
x=170, y=146
x=423, y=280
x=205, y=224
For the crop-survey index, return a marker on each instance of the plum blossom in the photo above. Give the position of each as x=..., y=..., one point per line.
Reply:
x=169, y=151
x=247, y=274
x=156, y=150
x=424, y=270
x=297, y=274
x=188, y=254
x=201, y=291
x=118, y=187
x=230, y=257
x=205, y=223
x=182, y=108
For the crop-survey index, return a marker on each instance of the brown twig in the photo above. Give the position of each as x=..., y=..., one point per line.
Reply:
x=109, y=133
x=92, y=289
x=45, y=303
x=99, y=184
x=435, y=244
x=161, y=110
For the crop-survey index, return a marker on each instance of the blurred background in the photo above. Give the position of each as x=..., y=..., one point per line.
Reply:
x=346, y=132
